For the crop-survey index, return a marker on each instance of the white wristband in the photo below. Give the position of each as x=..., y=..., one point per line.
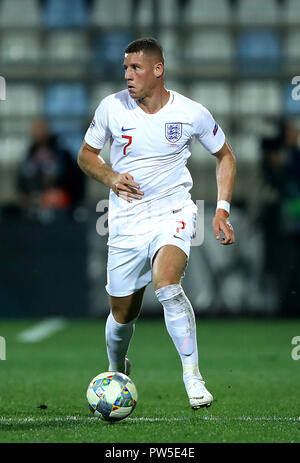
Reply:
x=223, y=205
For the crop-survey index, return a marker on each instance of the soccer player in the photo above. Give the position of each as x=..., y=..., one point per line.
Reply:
x=151, y=215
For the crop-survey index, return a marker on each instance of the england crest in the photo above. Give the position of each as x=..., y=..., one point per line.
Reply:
x=173, y=131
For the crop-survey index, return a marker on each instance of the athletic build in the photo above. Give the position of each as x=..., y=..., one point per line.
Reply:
x=151, y=215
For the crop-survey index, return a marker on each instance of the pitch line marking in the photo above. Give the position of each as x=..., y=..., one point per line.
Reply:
x=152, y=420
x=42, y=330
x=217, y=418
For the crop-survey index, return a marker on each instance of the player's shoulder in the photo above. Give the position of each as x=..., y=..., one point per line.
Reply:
x=120, y=98
x=194, y=108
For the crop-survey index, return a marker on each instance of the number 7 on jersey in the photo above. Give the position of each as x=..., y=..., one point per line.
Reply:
x=129, y=138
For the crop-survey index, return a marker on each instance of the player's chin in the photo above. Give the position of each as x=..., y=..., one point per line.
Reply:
x=132, y=92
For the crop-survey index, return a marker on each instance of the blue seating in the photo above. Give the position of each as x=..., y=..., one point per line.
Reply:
x=67, y=13
x=69, y=131
x=65, y=126
x=291, y=104
x=66, y=100
x=73, y=142
x=109, y=52
x=259, y=52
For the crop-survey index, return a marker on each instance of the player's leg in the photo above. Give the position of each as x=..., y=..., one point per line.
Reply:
x=167, y=269
x=126, y=309
x=119, y=330
x=128, y=273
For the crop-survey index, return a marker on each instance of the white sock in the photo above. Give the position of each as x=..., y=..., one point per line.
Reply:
x=118, y=337
x=181, y=325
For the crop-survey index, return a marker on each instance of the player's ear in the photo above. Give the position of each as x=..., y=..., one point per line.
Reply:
x=158, y=69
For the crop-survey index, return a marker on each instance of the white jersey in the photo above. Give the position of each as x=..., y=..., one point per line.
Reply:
x=154, y=149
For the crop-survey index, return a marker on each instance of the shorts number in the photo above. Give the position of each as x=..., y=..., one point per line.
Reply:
x=183, y=224
x=129, y=138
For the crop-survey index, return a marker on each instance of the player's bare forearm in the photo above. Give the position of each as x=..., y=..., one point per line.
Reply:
x=225, y=174
x=94, y=166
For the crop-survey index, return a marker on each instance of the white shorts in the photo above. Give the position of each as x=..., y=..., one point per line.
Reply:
x=129, y=270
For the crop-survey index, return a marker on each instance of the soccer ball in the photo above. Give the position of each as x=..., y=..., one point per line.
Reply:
x=112, y=396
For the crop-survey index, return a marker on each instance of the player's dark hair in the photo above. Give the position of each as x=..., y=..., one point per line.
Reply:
x=146, y=44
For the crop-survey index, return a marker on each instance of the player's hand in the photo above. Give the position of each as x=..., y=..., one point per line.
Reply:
x=124, y=186
x=222, y=224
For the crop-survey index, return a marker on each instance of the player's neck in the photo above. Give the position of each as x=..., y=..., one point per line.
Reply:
x=155, y=102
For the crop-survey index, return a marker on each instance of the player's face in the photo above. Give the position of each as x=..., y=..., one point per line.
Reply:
x=140, y=73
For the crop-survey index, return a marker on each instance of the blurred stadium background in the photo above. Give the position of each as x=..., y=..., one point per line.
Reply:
x=237, y=57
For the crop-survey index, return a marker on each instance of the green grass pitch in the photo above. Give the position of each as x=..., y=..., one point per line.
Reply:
x=247, y=365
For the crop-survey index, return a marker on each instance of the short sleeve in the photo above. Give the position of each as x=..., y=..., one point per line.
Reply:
x=98, y=132
x=208, y=132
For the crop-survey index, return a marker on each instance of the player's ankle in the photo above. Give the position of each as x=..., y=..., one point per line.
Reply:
x=191, y=370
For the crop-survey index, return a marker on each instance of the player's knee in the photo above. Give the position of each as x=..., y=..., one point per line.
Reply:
x=125, y=309
x=123, y=317
x=163, y=283
x=124, y=313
